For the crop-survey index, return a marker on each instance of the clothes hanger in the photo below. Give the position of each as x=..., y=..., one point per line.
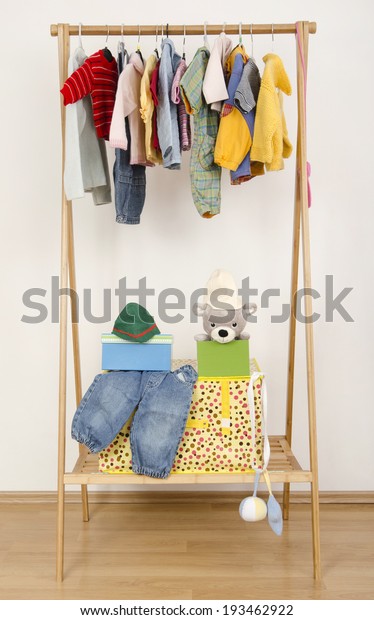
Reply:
x=240, y=35
x=272, y=38
x=251, y=32
x=184, y=43
x=162, y=37
x=138, y=50
x=121, y=43
x=121, y=48
x=206, y=42
x=156, y=48
x=240, y=42
x=107, y=53
x=80, y=35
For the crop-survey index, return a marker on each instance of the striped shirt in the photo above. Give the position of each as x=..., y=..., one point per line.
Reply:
x=98, y=77
x=183, y=117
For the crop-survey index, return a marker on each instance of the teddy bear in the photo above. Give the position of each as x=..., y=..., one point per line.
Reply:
x=224, y=315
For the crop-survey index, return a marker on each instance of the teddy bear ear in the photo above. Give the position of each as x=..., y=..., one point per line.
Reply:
x=248, y=309
x=199, y=309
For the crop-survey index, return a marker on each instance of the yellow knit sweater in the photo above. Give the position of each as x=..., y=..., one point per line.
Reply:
x=270, y=139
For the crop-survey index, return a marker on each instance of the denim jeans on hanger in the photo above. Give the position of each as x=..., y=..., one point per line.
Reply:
x=129, y=181
x=163, y=401
x=129, y=186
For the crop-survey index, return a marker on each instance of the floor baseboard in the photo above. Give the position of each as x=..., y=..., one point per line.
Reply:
x=177, y=497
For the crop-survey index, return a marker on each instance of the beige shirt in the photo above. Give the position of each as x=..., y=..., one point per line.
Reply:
x=214, y=85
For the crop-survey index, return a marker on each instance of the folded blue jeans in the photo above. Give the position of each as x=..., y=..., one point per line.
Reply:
x=162, y=400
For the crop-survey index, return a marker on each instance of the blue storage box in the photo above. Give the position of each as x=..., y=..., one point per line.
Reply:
x=119, y=354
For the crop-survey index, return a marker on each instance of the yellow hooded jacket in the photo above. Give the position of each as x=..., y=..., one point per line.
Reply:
x=233, y=138
x=270, y=139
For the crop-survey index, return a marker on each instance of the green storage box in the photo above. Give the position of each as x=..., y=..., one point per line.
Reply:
x=223, y=360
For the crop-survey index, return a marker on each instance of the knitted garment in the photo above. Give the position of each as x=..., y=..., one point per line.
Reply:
x=248, y=88
x=183, y=117
x=270, y=140
x=98, y=77
x=86, y=163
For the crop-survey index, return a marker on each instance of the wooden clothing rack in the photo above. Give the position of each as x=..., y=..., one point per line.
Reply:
x=283, y=466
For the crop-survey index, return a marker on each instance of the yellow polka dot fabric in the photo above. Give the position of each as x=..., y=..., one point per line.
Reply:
x=217, y=437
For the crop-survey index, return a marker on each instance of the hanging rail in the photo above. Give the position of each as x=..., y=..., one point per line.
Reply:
x=180, y=30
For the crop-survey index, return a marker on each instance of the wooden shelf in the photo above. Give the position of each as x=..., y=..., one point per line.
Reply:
x=283, y=467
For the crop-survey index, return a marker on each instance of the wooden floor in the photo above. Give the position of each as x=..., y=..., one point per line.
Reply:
x=195, y=551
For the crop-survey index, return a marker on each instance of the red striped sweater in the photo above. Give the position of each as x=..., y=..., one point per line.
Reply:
x=98, y=77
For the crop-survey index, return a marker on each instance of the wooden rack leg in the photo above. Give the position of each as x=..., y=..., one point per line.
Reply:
x=304, y=32
x=292, y=332
x=293, y=300
x=76, y=351
x=63, y=53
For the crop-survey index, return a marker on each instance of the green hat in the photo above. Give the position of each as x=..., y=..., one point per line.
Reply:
x=134, y=323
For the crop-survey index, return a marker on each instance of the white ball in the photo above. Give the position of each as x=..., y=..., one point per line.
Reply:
x=252, y=509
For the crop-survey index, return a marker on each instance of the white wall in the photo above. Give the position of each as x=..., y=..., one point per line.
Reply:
x=173, y=246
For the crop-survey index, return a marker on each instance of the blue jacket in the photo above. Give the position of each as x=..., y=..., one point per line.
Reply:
x=167, y=112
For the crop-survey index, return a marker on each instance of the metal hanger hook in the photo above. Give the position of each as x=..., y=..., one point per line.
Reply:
x=80, y=33
x=240, y=33
x=122, y=38
x=205, y=33
x=224, y=27
x=107, y=34
x=252, y=40
x=184, y=42
x=272, y=37
x=167, y=30
x=138, y=36
x=156, y=36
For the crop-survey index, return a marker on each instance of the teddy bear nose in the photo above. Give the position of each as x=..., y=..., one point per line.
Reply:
x=223, y=333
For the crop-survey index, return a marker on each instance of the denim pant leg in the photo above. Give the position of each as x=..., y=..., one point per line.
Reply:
x=106, y=407
x=129, y=186
x=160, y=419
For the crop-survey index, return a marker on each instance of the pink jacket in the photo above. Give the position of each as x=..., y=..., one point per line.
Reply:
x=127, y=104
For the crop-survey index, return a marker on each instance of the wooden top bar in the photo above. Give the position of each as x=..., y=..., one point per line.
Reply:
x=196, y=29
